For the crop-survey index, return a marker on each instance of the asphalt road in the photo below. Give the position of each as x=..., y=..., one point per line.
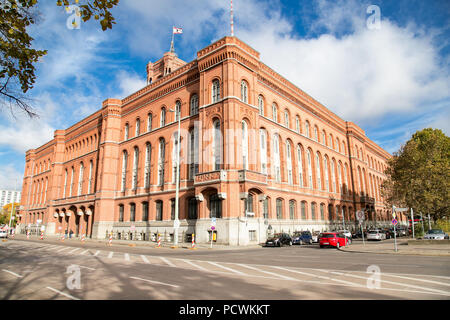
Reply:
x=49, y=270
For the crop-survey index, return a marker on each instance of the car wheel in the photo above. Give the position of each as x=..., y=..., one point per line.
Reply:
x=321, y=246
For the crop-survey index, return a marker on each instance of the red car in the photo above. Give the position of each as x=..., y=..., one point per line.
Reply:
x=333, y=239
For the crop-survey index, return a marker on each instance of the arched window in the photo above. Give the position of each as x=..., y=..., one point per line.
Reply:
x=159, y=210
x=148, y=159
x=339, y=168
x=145, y=211
x=177, y=110
x=161, y=160
x=135, y=168
x=318, y=172
x=217, y=152
x=313, y=211
x=325, y=171
x=279, y=206
x=124, y=170
x=194, y=105
x=310, y=175
x=132, y=212
x=215, y=206
x=65, y=184
x=91, y=168
x=347, y=187
x=245, y=145
x=149, y=122
x=192, y=209
x=193, y=153
x=289, y=162
x=297, y=124
x=292, y=209
x=162, y=122
x=307, y=129
x=324, y=138
x=286, y=118
x=138, y=128
x=333, y=176
x=263, y=150
x=322, y=211
x=175, y=157
x=249, y=204
x=300, y=166
x=261, y=105
x=338, y=145
x=274, y=112
x=121, y=210
x=80, y=179
x=316, y=134
x=215, y=91
x=303, y=210
x=276, y=158
x=71, y=182
x=244, y=91
x=331, y=141
x=127, y=131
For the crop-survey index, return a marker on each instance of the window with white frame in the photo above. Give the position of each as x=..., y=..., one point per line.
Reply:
x=297, y=124
x=307, y=129
x=149, y=122
x=161, y=160
x=138, y=128
x=245, y=145
x=80, y=179
x=177, y=110
x=217, y=152
x=162, y=121
x=175, y=157
x=65, y=184
x=300, y=166
x=71, y=182
x=325, y=171
x=333, y=176
x=289, y=162
x=274, y=113
x=124, y=170
x=127, y=129
x=318, y=173
x=244, y=91
x=310, y=175
x=148, y=159
x=91, y=167
x=193, y=153
x=286, y=118
x=276, y=158
x=263, y=149
x=215, y=91
x=135, y=168
x=194, y=105
x=261, y=105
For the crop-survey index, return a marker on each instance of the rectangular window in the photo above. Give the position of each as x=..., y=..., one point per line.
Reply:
x=172, y=209
x=121, y=213
x=252, y=235
x=145, y=211
x=279, y=209
x=303, y=211
x=159, y=210
x=132, y=212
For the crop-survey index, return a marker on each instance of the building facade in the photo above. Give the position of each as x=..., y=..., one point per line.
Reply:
x=9, y=196
x=256, y=153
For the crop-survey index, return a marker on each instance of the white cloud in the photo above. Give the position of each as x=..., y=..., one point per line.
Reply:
x=129, y=83
x=10, y=178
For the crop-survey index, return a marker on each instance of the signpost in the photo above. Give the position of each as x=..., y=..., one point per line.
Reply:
x=412, y=222
x=213, y=227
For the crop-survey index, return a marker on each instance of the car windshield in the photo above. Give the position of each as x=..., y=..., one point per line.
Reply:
x=328, y=235
x=305, y=233
x=297, y=233
x=373, y=232
x=435, y=231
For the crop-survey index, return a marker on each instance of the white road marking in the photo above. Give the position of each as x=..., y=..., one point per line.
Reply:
x=62, y=293
x=194, y=265
x=126, y=257
x=96, y=254
x=72, y=251
x=316, y=276
x=87, y=268
x=145, y=259
x=156, y=282
x=84, y=252
x=226, y=268
x=110, y=255
x=395, y=283
x=415, y=279
x=167, y=261
x=65, y=248
x=13, y=273
x=268, y=272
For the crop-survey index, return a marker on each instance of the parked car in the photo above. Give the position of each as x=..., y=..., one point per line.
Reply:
x=315, y=236
x=388, y=233
x=333, y=239
x=376, y=235
x=435, y=234
x=3, y=234
x=358, y=234
x=402, y=232
x=392, y=232
x=346, y=233
x=278, y=240
x=302, y=237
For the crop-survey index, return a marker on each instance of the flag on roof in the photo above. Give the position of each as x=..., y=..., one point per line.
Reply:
x=177, y=30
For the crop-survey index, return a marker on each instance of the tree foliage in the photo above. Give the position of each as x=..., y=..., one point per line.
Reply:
x=17, y=55
x=419, y=174
x=5, y=213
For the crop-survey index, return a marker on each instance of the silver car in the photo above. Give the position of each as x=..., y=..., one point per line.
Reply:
x=3, y=234
x=376, y=235
x=435, y=234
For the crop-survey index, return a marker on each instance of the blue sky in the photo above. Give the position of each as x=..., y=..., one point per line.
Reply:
x=391, y=81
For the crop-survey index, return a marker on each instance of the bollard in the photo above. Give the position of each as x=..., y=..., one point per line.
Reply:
x=12, y=234
x=110, y=239
x=82, y=238
x=193, y=242
x=42, y=235
x=159, y=241
x=28, y=234
x=62, y=237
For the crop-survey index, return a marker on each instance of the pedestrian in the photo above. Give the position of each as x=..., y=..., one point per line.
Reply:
x=70, y=234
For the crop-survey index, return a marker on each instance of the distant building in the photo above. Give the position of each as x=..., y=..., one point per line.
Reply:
x=9, y=196
x=258, y=155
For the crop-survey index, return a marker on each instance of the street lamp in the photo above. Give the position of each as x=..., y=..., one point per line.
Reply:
x=176, y=222
x=12, y=209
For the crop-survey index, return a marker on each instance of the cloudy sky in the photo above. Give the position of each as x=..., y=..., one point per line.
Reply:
x=391, y=78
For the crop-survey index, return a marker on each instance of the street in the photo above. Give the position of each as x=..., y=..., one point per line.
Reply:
x=52, y=270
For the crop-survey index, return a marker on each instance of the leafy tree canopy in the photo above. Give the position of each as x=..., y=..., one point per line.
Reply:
x=419, y=174
x=17, y=55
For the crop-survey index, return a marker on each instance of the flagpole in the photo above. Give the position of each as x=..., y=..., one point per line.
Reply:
x=172, y=48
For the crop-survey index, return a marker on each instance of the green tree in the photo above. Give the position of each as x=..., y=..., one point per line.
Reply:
x=418, y=176
x=5, y=214
x=18, y=57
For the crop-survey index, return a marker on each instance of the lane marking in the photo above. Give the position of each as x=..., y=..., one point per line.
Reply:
x=62, y=293
x=72, y=251
x=89, y=268
x=317, y=276
x=126, y=257
x=395, y=283
x=156, y=282
x=13, y=273
x=110, y=255
x=194, y=265
x=96, y=254
x=145, y=259
x=268, y=272
x=167, y=261
x=65, y=248
x=84, y=252
x=226, y=268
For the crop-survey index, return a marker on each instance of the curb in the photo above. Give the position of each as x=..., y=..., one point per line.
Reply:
x=400, y=252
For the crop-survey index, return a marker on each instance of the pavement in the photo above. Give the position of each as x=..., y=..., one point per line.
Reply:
x=403, y=247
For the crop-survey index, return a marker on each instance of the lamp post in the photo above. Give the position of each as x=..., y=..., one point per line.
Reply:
x=176, y=222
x=12, y=209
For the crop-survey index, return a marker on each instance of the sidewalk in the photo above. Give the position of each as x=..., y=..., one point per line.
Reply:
x=387, y=246
x=141, y=244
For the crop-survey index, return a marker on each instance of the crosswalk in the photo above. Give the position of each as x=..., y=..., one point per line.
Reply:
x=425, y=284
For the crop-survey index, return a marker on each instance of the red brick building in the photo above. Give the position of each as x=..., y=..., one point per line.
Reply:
x=257, y=153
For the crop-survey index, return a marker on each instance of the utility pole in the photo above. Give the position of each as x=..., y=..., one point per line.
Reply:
x=12, y=209
x=412, y=222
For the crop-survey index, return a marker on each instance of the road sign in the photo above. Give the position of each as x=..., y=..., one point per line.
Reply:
x=360, y=215
x=213, y=228
x=394, y=221
x=401, y=209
